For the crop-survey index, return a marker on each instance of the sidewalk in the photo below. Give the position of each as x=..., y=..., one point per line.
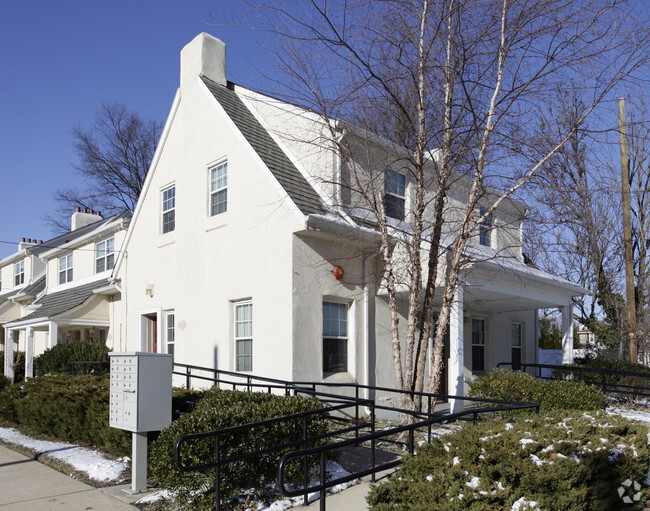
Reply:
x=27, y=484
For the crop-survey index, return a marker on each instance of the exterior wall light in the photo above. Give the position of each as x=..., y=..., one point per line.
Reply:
x=338, y=272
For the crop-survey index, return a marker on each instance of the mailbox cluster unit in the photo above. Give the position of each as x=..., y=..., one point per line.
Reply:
x=141, y=386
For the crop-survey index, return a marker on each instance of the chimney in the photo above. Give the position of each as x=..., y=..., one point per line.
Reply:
x=204, y=55
x=25, y=243
x=83, y=218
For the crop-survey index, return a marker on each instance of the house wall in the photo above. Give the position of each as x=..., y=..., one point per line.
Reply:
x=208, y=263
x=83, y=259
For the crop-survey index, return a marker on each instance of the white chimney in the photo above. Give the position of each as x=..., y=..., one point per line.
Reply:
x=83, y=218
x=25, y=244
x=204, y=55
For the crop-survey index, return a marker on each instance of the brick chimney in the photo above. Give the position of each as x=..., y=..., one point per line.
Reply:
x=82, y=218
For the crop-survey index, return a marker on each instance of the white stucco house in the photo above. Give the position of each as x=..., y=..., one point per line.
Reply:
x=65, y=294
x=246, y=253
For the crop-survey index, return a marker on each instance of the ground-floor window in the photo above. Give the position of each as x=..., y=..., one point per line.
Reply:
x=170, y=333
x=516, y=338
x=335, y=337
x=478, y=344
x=244, y=336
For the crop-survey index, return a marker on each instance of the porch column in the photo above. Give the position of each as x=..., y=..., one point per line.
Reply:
x=29, y=353
x=456, y=371
x=567, y=334
x=9, y=354
x=54, y=334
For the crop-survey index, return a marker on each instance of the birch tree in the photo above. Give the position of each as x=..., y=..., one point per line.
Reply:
x=459, y=86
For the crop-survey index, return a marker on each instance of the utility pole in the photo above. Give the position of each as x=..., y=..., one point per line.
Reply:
x=627, y=235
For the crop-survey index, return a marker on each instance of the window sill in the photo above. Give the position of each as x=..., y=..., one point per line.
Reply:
x=167, y=243
x=216, y=222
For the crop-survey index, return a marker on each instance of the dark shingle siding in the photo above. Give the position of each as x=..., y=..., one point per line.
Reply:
x=59, y=302
x=299, y=190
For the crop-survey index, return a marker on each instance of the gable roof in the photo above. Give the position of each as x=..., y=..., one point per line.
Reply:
x=294, y=183
x=64, y=239
x=59, y=302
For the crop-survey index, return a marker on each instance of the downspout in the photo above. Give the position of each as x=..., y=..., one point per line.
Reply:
x=339, y=175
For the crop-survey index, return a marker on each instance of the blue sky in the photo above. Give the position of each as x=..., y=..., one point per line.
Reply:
x=60, y=60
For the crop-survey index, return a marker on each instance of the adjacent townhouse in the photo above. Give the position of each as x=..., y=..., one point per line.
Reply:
x=66, y=293
x=248, y=250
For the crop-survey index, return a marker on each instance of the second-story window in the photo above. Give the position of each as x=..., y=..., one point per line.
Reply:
x=169, y=209
x=485, y=229
x=19, y=273
x=65, y=269
x=104, y=255
x=395, y=194
x=218, y=188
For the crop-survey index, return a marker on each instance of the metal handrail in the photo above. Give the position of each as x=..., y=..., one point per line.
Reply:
x=372, y=438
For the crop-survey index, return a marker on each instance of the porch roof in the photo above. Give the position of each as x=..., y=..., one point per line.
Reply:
x=58, y=302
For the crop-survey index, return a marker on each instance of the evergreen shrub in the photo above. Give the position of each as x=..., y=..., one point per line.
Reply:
x=57, y=359
x=551, y=395
x=221, y=409
x=561, y=461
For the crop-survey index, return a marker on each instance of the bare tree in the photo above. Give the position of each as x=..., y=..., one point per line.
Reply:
x=114, y=156
x=458, y=87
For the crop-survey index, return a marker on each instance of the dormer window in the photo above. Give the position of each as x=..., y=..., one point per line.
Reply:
x=19, y=273
x=219, y=188
x=485, y=229
x=104, y=255
x=65, y=269
x=395, y=194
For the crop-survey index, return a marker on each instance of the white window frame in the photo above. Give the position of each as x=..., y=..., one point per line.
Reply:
x=170, y=332
x=217, y=187
x=478, y=343
x=345, y=339
x=394, y=194
x=103, y=256
x=243, y=340
x=19, y=273
x=513, y=343
x=65, y=268
x=168, y=209
x=485, y=228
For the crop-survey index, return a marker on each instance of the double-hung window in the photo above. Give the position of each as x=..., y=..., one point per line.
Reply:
x=169, y=209
x=219, y=188
x=65, y=269
x=170, y=333
x=395, y=194
x=244, y=336
x=478, y=344
x=19, y=273
x=516, y=338
x=104, y=255
x=485, y=229
x=335, y=337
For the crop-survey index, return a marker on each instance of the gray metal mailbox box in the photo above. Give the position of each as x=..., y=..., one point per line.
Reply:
x=141, y=391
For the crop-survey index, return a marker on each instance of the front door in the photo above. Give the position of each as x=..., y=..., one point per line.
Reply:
x=152, y=333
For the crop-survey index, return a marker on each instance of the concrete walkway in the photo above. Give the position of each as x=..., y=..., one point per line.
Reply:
x=27, y=484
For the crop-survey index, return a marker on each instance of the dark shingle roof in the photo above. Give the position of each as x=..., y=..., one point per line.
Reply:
x=35, y=287
x=62, y=301
x=60, y=241
x=299, y=190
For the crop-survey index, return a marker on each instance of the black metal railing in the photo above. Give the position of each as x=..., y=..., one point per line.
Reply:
x=410, y=429
x=618, y=383
x=335, y=405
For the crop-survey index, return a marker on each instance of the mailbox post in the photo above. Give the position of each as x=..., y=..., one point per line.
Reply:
x=140, y=401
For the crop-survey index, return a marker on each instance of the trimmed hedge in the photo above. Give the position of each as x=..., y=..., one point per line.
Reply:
x=57, y=359
x=560, y=461
x=75, y=409
x=551, y=395
x=221, y=409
